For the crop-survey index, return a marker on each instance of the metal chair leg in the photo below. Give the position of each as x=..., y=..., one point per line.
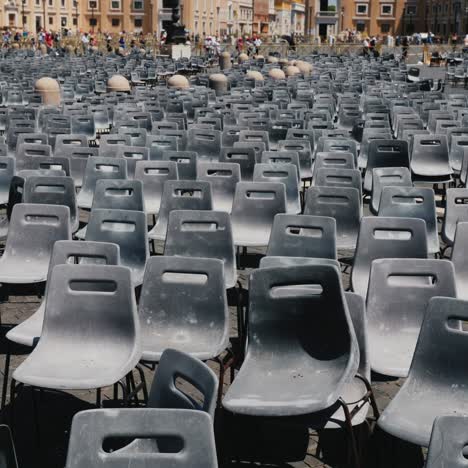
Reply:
x=6, y=373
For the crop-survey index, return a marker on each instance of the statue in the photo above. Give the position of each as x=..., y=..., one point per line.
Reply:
x=175, y=30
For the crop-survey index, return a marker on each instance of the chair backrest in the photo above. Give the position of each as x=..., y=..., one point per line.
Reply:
x=449, y=439
x=459, y=258
x=302, y=236
x=304, y=150
x=255, y=135
x=157, y=144
x=388, y=176
x=205, y=234
x=52, y=191
x=282, y=157
x=7, y=171
x=165, y=393
x=206, y=143
x=132, y=154
x=337, y=177
x=381, y=237
x=186, y=163
x=244, y=157
x=31, y=150
x=119, y=194
x=430, y=156
x=34, y=228
x=456, y=211
x=223, y=178
x=190, y=431
x=64, y=140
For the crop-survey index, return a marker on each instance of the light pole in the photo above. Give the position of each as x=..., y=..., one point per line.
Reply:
x=44, y=14
x=93, y=5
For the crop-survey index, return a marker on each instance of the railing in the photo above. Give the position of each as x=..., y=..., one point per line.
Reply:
x=326, y=14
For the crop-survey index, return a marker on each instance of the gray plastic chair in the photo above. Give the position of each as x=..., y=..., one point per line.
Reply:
x=201, y=326
x=7, y=171
x=132, y=154
x=251, y=136
x=385, y=153
x=53, y=191
x=190, y=429
x=253, y=211
x=412, y=202
x=33, y=230
x=456, y=211
x=180, y=195
x=244, y=157
x=206, y=143
x=301, y=362
x=449, y=438
x=87, y=306
x=302, y=236
x=205, y=234
x=286, y=175
x=153, y=175
x=436, y=384
x=457, y=150
x=98, y=168
x=381, y=237
x=340, y=160
x=430, y=159
x=27, y=333
x=48, y=163
x=341, y=203
x=26, y=151
x=460, y=259
x=223, y=178
x=157, y=144
x=127, y=229
x=335, y=145
x=78, y=156
x=63, y=141
x=186, y=163
x=398, y=294
x=282, y=157
x=335, y=177
x=304, y=150
x=387, y=177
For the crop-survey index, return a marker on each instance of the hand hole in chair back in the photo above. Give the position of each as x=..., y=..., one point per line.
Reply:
x=132, y=155
x=392, y=234
x=87, y=259
x=156, y=170
x=204, y=137
x=433, y=142
x=71, y=141
x=409, y=280
x=333, y=200
x=180, y=160
x=260, y=195
x=339, y=179
x=51, y=166
x=33, y=141
x=293, y=147
x=339, y=148
x=407, y=199
x=388, y=149
x=161, y=143
x=190, y=391
x=35, y=152
x=83, y=155
x=304, y=231
x=391, y=178
x=280, y=160
x=107, y=168
x=334, y=162
x=461, y=201
x=94, y=286
x=184, y=277
x=192, y=193
x=42, y=219
x=48, y=188
x=199, y=226
x=295, y=290
x=164, y=444
x=462, y=142
x=253, y=138
x=238, y=155
x=275, y=174
x=460, y=325
x=219, y=172
x=119, y=192
x=118, y=226
x=3, y=166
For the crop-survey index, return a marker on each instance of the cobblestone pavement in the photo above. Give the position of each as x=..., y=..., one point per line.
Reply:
x=41, y=430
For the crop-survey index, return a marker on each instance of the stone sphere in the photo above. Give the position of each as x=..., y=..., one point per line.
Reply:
x=259, y=57
x=218, y=82
x=272, y=59
x=243, y=58
x=178, y=82
x=15, y=45
x=277, y=74
x=118, y=83
x=225, y=61
x=304, y=67
x=283, y=62
x=49, y=89
x=255, y=75
x=291, y=70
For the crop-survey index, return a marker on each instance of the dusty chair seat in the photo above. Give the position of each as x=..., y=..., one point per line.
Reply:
x=33, y=230
x=298, y=362
x=95, y=349
x=436, y=383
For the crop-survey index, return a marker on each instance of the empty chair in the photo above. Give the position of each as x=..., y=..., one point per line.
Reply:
x=180, y=195
x=244, y=157
x=128, y=230
x=457, y=151
x=87, y=306
x=33, y=230
x=157, y=144
x=302, y=236
x=48, y=163
x=282, y=157
x=63, y=141
x=304, y=150
x=385, y=153
x=456, y=211
x=387, y=177
x=336, y=160
x=436, y=383
x=448, y=441
x=153, y=175
x=250, y=136
x=460, y=259
x=171, y=428
x=53, y=191
x=412, y=202
x=199, y=327
x=25, y=151
x=186, y=163
x=301, y=362
x=430, y=158
x=253, y=211
x=223, y=178
x=286, y=175
x=132, y=154
x=341, y=203
x=336, y=177
x=398, y=295
x=206, y=143
x=119, y=194
x=381, y=237
x=7, y=171
x=335, y=145
x=98, y=168
x=78, y=156
x=83, y=125
x=204, y=234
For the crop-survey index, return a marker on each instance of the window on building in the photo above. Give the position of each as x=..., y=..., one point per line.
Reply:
x=62, y=3
x=38, y=2
x=138, y=5
x=361, y=27
x=385, y=28
x=63, y=21
x=411, y=10
x=75, y=21
x=115, y=22
x=362, y=9
x=93, y=22
x=51, y=2
x=92, y=5
x=387, y=9
x=51, y=20
x=138, y=23
x=115, y=4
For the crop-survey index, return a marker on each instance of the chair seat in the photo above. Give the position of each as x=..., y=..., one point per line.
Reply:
x=23, y=270
x=28, y=332
x=250, y=236
x=77, y=365
x=85, y=200
x=4, y=225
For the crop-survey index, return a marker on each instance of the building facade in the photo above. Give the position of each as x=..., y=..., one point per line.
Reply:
x=444, y=17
